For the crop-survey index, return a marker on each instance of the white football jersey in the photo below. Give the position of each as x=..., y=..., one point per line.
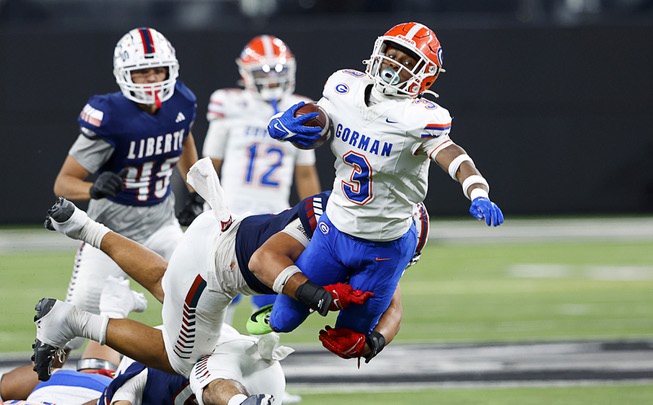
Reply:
x=257, y=170
x=382, y=155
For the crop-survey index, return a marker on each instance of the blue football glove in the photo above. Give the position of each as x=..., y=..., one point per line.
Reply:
x=484, y=208
x=287, y=127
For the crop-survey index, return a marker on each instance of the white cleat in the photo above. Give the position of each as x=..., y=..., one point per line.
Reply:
x=52, y=334
x=64, y=217
x=260, y=399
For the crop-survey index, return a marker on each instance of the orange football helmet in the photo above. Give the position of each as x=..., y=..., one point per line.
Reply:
x=419, y=41
x=267, y=67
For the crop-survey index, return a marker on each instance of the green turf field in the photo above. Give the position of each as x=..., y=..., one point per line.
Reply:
x=459, y=293
x=594, y=395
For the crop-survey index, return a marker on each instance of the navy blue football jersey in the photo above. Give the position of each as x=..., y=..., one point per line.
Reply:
x=256, y=229
x=160, y=388
x=149, y=145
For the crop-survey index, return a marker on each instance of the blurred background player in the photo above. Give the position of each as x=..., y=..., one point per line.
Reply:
x=132, y=140
x=386, y=136
x=255, y=170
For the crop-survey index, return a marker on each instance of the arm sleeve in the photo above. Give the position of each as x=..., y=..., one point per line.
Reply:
x=296, y=230
x=132, y=390
x=91, y=153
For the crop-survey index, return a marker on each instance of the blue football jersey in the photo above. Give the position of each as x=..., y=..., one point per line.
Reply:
x=149, y=145
x=256, y=229
x=160, y=388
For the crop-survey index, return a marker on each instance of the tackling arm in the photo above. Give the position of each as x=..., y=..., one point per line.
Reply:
x=274, y=264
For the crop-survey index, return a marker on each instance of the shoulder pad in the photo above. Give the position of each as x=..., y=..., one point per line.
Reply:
x=431, y=120
x=222, y=102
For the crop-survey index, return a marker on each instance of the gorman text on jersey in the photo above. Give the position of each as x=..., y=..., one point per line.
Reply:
x=362, y=141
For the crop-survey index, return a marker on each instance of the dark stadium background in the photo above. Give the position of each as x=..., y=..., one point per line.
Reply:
x=553, y=99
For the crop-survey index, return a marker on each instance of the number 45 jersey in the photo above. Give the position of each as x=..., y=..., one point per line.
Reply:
x=148, y=145
x=382, y=153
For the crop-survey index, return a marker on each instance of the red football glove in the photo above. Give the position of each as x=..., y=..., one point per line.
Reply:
x=344, y=294
x=343, y=341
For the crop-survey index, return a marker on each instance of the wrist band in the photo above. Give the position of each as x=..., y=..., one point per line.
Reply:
x=478, y=192
x=473, y=179
x=314, y=297
x=283, y=278
x=376, y=342
x=95, y=364
x=455, y=164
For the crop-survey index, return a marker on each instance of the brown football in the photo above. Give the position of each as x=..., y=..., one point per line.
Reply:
x=322, y=120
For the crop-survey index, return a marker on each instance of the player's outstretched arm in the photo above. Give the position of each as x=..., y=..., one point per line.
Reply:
x=461, y=168
x=142, y=264
x=274, y=264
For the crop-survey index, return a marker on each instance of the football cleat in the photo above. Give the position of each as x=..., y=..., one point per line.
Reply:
x=64, y=217
x=43, y=358
x=52, y=334
x=259, y=322
x=260, y=399
x=44, y=353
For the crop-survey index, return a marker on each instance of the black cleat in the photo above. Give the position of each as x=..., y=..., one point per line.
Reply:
x=260, y=399
x=43, y=358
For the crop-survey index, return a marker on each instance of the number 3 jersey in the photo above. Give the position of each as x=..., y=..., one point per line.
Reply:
x=257, y=170
x=117, y=134
x=382, y=153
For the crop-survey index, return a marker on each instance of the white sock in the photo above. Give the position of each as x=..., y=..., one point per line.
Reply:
x=90, y=326
x=92, y=233
x=237, y=399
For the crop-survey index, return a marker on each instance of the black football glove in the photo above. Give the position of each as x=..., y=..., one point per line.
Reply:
x=193, y=207
x=108, y=184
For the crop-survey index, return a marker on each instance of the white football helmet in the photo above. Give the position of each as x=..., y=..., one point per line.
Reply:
x=144, y=48
x=267, y=67
x=416, y=39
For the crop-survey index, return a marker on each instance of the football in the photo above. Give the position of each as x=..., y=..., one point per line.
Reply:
x=322, y=120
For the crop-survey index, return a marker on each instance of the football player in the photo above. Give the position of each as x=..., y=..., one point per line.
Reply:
x=209, y=267
x=239, y=357
x=257, y=171
x=386, y=134
x=131, y=140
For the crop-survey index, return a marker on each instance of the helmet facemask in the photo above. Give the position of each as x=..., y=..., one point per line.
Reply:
x=388, y=81
x=270, y=81
x=267, y=68
x=145, y=48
